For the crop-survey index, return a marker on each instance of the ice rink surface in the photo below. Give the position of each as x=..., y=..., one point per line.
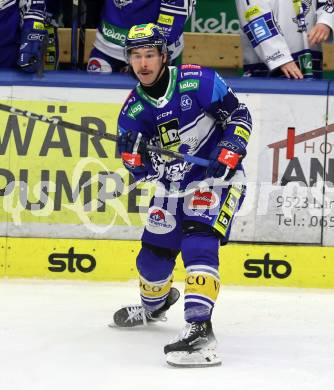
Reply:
x=54, y=336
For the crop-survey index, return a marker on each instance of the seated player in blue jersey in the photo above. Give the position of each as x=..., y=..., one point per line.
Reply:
x=22, y=34
x=187, y=109
x=118, y=16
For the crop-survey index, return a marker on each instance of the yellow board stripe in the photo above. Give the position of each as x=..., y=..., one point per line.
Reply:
x=240, y=264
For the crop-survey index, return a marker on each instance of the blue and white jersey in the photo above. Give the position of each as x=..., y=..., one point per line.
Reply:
x=118, y=16
x=275, y=33
x=16, y=15
x=197, y=112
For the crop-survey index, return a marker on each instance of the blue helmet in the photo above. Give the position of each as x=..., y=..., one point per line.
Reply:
x=145, y=35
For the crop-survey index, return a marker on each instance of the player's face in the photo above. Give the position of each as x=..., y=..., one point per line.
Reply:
x=146, y=63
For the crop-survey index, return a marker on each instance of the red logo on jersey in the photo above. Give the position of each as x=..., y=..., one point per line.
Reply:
x=158, y=215
x=203, y=200
x=94, y=65
x=190, y=66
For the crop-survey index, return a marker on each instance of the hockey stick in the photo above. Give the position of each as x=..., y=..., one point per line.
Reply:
x=82, y=34
x=74, y=34
x=40, y=70
x=111, y=137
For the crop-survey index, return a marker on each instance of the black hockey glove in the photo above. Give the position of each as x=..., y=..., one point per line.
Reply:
x=224, y=160
x=132, y=147
x=31, y=53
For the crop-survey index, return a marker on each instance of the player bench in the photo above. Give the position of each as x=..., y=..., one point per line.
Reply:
x=214, y=50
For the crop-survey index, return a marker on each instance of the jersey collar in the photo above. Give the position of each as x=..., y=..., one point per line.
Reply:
x=163, y=100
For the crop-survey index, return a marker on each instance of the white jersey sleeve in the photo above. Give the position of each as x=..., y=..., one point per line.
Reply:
x=325, y=14
x=261, y=36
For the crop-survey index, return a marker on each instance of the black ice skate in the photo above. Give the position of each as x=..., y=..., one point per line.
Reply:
x=194, y=347
x=134, y=315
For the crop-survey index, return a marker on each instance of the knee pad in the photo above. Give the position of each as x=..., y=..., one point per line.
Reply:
x=191, y=227
x=200, y=248
x=161, y=252
x=155, y=263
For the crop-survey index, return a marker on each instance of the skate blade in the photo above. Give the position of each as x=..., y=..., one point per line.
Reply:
x=130, y=326
x=194, y=359
x=113, y=325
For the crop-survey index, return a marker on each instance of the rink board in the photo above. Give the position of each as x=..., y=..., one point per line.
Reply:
x=108, y=260
x=328, y=230
x=57, y=183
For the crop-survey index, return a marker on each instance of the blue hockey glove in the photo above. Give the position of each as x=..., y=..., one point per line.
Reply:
x=132, y=147
x=31, y=49
x=224, y=159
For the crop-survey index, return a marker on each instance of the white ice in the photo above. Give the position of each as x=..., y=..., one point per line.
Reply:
x=54, y=336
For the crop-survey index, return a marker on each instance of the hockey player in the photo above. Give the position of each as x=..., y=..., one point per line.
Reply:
x=117, y=18
x=22, y=34
x=191, y=110
x=283, y=37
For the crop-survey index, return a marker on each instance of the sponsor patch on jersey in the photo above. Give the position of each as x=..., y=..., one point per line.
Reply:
x=169, y=134
x=190, y=66
x=177, y=172
x=94, y=65
x=203, y=200
x=202, y=215
x=189, y=85
x=166, y=19
x=135, y=110
x=274, y=57
x=98, y=65
x=232, y=201
x=228, y=208
x=129, y=101
x=197, y=73
x=164, y=114
x=223, y=222
x=166, y=31
x=259, y=30
x=38, y=26
x=252, y=13
x=229, y=145
x=113, y=33
x=160, y=221
x=186, y=103
x=239, y=131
